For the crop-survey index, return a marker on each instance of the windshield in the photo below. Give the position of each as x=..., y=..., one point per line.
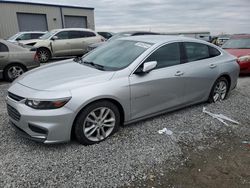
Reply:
x=48, y=35
x=117, y=54
x=243, y=43
x=14, y=36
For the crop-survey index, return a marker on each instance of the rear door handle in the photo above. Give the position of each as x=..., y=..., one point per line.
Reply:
x=179, y=73
x=212, y=66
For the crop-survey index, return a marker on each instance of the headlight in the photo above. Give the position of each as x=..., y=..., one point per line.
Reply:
x=244, y=59
x=46, y=104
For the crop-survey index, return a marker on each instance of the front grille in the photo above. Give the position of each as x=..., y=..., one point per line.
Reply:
x=15, y=97
x=13, y=113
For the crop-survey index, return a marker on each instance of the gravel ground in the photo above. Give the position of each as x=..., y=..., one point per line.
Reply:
x=126, y=157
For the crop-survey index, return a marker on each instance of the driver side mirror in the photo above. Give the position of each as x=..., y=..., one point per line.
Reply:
x=146, y=67
x=54, y=38
x=18, y=39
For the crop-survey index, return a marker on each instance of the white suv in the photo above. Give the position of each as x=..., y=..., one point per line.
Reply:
x=64, y=42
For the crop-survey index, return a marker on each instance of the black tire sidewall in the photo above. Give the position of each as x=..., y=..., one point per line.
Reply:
x=78, y=129
x=5, y=73
x=211, y=99
x=47, y=51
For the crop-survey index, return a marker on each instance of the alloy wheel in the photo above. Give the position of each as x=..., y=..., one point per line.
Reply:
x=99, y=124
x=220, y=91
x=15, y=71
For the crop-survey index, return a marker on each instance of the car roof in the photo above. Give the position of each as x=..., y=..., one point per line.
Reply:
x=73, y=29
x=161, y=39
x=240, y=36
x=32, y=32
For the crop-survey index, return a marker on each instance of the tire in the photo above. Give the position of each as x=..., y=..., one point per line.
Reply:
x=219, y=92
x=87, y=126
x=13, y=71
x=44, y=55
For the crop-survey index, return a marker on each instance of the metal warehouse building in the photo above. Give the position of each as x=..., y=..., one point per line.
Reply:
x=22, y=16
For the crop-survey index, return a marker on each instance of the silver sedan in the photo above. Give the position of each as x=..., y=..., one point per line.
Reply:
x=127, y=80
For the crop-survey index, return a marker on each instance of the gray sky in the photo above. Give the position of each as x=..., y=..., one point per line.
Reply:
x=216, y=16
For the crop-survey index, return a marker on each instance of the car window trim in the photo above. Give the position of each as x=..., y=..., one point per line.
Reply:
x=143, y=61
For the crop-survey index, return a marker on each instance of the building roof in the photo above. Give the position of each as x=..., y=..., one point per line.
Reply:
x=46, y=4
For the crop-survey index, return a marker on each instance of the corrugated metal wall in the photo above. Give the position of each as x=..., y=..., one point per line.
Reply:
x=9, y=23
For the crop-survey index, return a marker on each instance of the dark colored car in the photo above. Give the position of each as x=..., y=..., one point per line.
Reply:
x=239, y=46
x=106, y=35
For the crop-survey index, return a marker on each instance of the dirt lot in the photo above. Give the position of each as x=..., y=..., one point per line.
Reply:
x=201, y=152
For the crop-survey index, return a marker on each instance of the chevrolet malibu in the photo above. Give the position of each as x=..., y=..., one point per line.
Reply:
x=125, y=81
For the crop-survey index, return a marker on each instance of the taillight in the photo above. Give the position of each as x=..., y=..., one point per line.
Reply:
x=36, y=57
x=244, y=59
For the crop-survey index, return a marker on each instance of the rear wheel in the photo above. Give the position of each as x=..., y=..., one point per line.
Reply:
x=13, y=71
x=220, y=90
x=96, y=122
x=43, y=55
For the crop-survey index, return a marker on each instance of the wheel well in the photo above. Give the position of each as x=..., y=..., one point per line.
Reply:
x=228, y=79
x=15, y=63
x=119, y=106
x=45, y=49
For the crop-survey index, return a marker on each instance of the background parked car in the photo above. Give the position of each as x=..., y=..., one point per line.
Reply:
x=64, y=42
x=26, y=36
x=120, y=35
x=239, y=46
x=106, y=35
x=15, y=60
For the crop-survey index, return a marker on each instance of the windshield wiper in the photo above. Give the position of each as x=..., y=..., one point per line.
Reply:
x=99, y=67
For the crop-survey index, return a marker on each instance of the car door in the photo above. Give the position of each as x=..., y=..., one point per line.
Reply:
x=89, y=38
x=62, y=45
x=201, y=70
x=4, y=56
x=77, y=42
x=160, y=89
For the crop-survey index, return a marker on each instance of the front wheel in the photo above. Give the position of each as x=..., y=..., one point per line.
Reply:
x=96, y=122
x=220, y=90
x=43, y=55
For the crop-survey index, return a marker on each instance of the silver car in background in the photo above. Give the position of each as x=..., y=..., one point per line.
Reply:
x=124, y=81
x=15, y=60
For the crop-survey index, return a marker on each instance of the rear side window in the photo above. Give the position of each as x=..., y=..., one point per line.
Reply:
x=213, y=52
x=167, y=55
x=88, y=34
x=3, y=48
x=26, y=36
x=36, y=35
x=196, y=51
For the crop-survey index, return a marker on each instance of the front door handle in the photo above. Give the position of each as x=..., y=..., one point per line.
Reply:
x=1, y=56
x=212, y=66
x=179, y=73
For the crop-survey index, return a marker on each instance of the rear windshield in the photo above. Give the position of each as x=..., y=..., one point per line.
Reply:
x=243, y=43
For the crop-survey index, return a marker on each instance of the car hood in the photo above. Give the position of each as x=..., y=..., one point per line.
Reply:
x=64, y=75
x=30, y=41
x=238, y=52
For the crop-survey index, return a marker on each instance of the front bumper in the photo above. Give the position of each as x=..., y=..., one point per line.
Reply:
x=46, y=126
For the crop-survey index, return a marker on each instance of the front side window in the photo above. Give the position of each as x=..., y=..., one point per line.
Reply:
x=196, y=51
x=166, y=56
x=3, y=48
x=24, y=36
x=63, y=35
x=117, y=54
